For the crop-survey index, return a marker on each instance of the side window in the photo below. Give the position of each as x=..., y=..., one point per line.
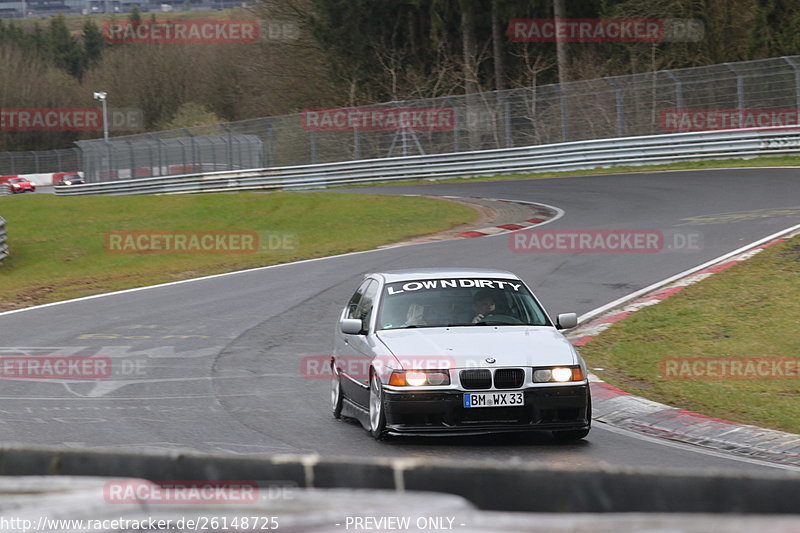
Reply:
x=367, y=303
x=352, y=305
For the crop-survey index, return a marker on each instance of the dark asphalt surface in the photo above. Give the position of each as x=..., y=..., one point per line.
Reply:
x=214, y=365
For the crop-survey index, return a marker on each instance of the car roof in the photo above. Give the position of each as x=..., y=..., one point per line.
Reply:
x=391, y=276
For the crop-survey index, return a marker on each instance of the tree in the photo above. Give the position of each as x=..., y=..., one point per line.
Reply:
x=93, y=43
x=64, y=49
x=560, y=13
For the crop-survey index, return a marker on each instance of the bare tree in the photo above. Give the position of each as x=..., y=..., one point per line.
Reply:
x=560, y=14
x=498, y=53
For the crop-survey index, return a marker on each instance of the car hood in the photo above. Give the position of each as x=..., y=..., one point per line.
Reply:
x=470, y=346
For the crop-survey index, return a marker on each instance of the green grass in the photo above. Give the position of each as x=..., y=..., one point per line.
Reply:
x=749, y=310
x=58, y=246
x=783, y=161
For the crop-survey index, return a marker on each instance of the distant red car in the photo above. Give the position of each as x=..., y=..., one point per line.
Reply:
x=16, y=185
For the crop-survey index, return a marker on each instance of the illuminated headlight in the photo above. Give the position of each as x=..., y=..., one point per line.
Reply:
x=419, y=378
x=558, y=374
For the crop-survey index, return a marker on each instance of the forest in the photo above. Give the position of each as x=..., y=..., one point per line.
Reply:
x=356, y=52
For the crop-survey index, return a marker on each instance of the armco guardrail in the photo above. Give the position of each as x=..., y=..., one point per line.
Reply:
x=3, y=240
x=543, y=158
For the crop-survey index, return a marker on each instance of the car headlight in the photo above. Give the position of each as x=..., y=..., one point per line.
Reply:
x=558, y=374
x=419, y=378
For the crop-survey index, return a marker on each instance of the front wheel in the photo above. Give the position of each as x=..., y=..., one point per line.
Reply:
x=377, y=417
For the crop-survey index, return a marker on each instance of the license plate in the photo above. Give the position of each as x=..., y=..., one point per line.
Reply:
x=494, y=399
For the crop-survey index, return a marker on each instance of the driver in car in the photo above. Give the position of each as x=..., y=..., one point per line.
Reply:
x=484, y=303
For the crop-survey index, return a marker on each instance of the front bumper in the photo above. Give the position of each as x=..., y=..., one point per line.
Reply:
x=442, y=412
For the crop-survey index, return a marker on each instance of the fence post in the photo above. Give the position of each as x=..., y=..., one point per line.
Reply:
x=796, y=80
x=132, y=158
x=312, y=135
x=509, y=134
x=356, y=144
x=108, y=159
x=678, y=93
x=619, y=105
x=564, y=113
x=79, y=163
x=739, y=91
x=271, y=153
x=456, y=126
x=229, y=149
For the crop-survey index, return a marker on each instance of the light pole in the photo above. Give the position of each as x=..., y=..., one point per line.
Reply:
x=102, y=97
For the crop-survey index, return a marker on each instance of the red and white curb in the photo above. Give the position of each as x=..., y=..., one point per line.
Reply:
x=503, y=228
x=621, y=409
x=549, y=214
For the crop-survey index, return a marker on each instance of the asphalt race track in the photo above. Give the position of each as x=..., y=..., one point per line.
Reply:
x=214, y=364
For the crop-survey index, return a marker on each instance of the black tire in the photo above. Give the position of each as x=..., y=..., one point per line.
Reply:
x=336, y=395
x=377, y=416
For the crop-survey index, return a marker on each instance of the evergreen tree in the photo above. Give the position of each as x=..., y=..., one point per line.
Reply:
x=93, y=43
x=64, y=49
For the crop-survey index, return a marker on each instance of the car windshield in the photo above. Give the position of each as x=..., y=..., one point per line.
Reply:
x=458, y=302
x=17, y=180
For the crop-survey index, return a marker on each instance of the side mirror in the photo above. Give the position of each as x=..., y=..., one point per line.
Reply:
x=350, y=326
x=566, y=321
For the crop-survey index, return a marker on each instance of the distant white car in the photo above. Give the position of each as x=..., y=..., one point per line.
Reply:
x=439, y=351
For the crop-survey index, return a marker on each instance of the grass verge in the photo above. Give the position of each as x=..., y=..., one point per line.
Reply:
x=751, y=310
x=59, y=249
